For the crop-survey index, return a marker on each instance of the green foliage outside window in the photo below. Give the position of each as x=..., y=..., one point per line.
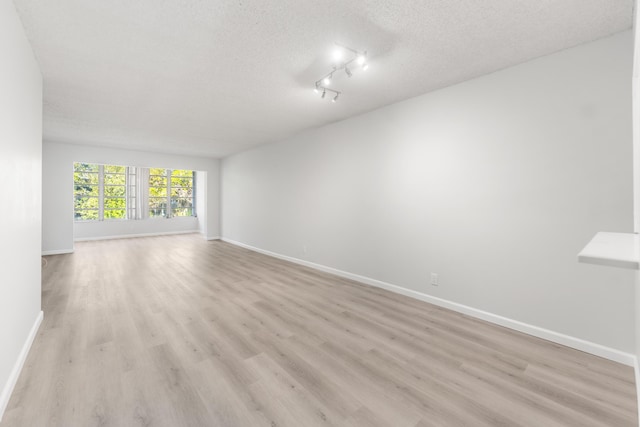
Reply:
x=100, y=192
x=182, y=192
x=157, y=192
x=86, y=191
x=86, y=180
x=115, y=202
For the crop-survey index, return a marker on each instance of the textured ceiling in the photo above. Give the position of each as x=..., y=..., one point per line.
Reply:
x=212, y=78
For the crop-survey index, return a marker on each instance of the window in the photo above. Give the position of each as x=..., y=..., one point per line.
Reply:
x=101, y=192
x=181, y=188
x=86, y=179
x=115, y=192
x=158, y=185
x=106, y=192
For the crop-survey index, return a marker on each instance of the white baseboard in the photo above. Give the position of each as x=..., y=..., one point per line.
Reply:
x=636, y=369
x=58, y=252
x=556, y=337
x=127, y=236
x=17, y=368
x=213, y=238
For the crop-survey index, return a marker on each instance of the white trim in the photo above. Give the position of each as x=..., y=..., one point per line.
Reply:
x=556, y=337
x=17, y=368
x=126, y=236
x=57, y=252
x=637, y=374
x=213, y=238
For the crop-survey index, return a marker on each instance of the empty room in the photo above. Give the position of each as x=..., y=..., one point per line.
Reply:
x=294, y=213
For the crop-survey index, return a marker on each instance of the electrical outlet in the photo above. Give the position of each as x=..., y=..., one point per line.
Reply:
x=434, y=279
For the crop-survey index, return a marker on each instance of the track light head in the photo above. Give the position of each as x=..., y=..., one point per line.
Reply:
x=362, y=58
x=327, y=80
x=348, y=71
x=335, y=98
x=324, y=93
x=365, y=67
x=317, y=88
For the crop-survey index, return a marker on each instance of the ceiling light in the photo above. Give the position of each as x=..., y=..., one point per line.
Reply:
x=342, y=62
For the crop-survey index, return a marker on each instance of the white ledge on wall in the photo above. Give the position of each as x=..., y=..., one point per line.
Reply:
x=613, y=249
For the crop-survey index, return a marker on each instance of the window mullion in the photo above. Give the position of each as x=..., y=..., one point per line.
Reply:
x=100, y=192
x=169, y=193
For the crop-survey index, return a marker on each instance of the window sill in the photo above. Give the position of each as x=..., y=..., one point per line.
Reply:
x=621, y=250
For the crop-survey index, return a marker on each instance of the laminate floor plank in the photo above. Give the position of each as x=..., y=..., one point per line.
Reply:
x=177, y=331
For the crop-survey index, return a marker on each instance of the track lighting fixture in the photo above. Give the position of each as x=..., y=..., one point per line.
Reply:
x=360, y=58
x=325, y=90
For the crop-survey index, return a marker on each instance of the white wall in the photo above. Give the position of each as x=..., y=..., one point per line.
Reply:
x=201, y=202
x=21, y=213
x=495, y=184
x=58, y=229
x=636, y=176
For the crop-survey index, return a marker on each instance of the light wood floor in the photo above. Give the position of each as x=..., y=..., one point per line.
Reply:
x=177, y=331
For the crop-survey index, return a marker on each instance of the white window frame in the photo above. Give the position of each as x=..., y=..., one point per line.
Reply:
x=137, y=194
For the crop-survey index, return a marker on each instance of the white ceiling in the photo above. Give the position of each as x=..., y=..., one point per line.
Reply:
x=212, y=78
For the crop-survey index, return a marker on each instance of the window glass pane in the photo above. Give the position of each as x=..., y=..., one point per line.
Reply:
x=157, y=181
x=85, y=167
x=181, y=192
x=181, y=172
x=181, y=206
x=114, y=169
x=157, y=191
x=86, y=190
x=82, y=203
x=86, y=215
x=181, y=202
x=157, y=206
x=112, y=179
x=182, y=211
x=115, y=203
x=114, y=214
x=114, y=191
x=181, y=182
x=85, y=178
